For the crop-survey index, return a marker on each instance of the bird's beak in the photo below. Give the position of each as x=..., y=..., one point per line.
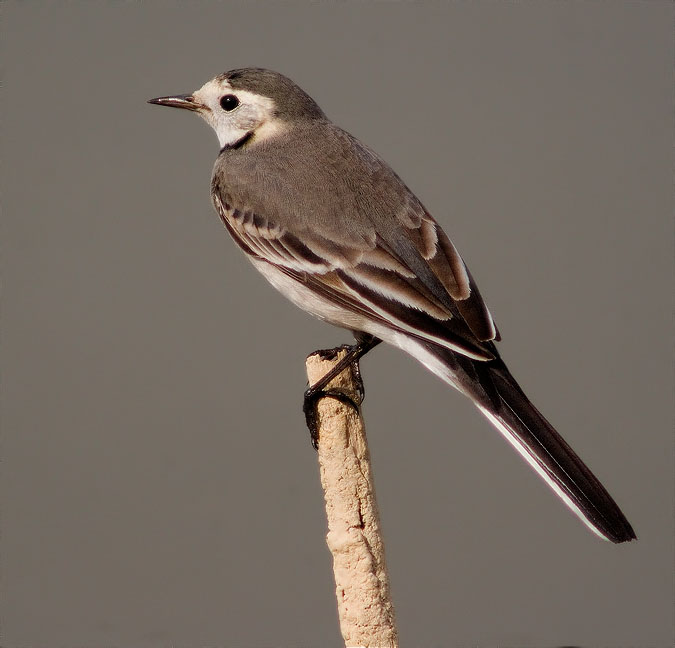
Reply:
x=178, y=101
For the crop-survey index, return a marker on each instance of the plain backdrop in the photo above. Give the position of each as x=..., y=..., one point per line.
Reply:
x=158, y=485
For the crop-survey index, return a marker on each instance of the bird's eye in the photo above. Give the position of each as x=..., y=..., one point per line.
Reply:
x=229, y=102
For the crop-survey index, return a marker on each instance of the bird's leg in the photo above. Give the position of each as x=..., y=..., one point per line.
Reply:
x=318, y=390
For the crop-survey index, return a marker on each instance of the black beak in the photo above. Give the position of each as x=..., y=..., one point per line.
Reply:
x=178, y=101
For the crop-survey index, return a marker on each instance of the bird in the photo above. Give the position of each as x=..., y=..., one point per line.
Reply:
x=332, y=227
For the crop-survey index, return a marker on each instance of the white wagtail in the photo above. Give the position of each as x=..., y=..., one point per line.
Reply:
x=330, y=225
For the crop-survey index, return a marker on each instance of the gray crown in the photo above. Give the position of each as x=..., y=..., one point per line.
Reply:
x=290, y=100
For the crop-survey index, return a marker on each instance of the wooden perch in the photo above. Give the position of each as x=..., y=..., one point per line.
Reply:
x=354, y=538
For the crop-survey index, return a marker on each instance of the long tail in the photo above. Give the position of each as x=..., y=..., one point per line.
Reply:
x=497, y=394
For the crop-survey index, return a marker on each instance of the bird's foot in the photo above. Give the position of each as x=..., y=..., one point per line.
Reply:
x=311, y=399
x=318, y=390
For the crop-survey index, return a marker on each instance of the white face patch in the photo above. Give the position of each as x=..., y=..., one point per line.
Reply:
x=254, y=114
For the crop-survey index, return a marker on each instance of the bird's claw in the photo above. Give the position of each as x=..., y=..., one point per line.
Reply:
x=358, y=380
x=318, y=389
x=312, y=397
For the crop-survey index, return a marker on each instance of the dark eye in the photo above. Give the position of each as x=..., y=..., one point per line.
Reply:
x=229, y=102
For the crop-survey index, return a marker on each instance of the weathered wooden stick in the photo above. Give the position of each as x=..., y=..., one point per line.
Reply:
x=354, y=538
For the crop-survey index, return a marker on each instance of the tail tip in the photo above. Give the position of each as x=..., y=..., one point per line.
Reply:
x=624, y=533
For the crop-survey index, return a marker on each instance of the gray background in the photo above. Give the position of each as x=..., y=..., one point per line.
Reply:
x=158, y=486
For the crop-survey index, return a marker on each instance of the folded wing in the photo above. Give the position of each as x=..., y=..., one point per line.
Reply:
x=408, y=276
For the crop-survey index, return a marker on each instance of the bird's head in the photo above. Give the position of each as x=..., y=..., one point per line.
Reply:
x=247, y=105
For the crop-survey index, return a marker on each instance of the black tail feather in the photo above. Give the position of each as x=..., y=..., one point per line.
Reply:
x=494, y=390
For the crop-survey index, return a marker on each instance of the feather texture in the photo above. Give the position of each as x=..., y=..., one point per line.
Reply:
x=356, y=221
x=336, y=230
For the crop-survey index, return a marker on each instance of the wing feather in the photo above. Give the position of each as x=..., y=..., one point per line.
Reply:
x=360, y=236
x=373, y=282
